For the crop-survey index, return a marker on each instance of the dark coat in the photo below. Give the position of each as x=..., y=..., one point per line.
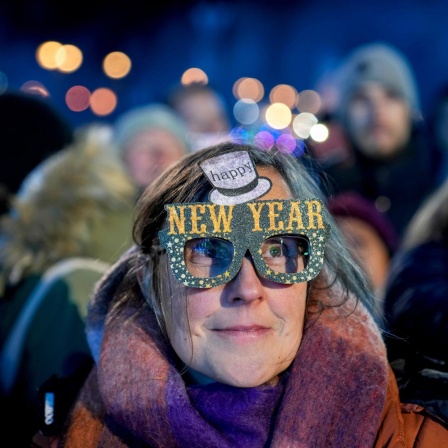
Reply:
x=77, y=204
x=400, y=183
x=416, y=308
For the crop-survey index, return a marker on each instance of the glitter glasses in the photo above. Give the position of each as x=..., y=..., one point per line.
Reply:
x=206, y=242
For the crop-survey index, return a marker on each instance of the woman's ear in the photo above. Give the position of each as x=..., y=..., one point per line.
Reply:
x=144, y=278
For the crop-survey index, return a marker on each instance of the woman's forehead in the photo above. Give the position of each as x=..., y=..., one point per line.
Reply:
x=279, y=189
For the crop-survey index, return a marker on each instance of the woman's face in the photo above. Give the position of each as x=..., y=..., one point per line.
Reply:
x=150, y=152
x=245, y=332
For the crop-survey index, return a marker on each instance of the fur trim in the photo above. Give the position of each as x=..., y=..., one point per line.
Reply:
x=61, y=201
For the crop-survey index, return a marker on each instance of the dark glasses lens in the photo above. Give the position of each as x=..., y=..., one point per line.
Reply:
x=208, y=257
x=287, y=254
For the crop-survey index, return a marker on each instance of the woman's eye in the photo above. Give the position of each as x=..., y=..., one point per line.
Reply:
x=275, y=251
x=285, y=246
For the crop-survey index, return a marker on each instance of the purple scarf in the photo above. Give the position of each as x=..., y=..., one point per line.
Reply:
x=333, y=394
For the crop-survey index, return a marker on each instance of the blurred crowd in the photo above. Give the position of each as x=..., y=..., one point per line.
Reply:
x=67, y=211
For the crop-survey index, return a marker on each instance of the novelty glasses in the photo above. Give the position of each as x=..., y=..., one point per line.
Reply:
x=206, y=242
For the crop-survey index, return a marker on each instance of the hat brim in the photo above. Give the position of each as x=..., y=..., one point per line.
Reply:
x=263, y=186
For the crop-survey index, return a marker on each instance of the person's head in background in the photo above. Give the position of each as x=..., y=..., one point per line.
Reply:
x=378, y=100
x=31, y=129
x=368, y=233
x=149, y=139
x=204, y=111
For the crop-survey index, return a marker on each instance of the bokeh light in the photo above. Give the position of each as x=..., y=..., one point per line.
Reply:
x=35, y=87
x=284, y=93
x=286, y=143
x=52, y=55
x=246, y=111
x=238, y=135
x=303, y=123
x=103, y=101
x=300, y=148
x=264, y=140
x=117, y=65
x=248, y=88
x=194, y=75
x=309, y=101
x=278, y=116
x=77, y=98
x=46, y=54
x=319, y=132
x=68, y=58
x=382, y=203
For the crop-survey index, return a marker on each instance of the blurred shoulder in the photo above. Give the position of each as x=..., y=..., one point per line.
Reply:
x=408, y=425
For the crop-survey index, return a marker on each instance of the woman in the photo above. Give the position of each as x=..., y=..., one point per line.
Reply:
x=258, y=335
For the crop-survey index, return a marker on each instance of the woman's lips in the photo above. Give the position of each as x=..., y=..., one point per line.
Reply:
x=243, y=332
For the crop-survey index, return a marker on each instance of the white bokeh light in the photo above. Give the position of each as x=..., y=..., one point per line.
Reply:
x=303, y=123
x=319, y=132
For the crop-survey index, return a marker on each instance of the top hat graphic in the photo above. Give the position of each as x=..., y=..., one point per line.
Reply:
x=235, y=178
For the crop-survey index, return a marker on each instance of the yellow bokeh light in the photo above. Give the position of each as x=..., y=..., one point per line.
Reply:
x=69, y=58
x=194, y=75
x=278, y=116
x=46, y=54
x=284, y=93
x=103, y=101
x=117, y=65
x=248, y=88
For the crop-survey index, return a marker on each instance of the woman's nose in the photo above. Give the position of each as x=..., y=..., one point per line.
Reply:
x=246, y=285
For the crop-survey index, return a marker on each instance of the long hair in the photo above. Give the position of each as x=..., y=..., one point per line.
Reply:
x=185, y=182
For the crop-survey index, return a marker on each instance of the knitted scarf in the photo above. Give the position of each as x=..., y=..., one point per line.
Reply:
x=332, y=395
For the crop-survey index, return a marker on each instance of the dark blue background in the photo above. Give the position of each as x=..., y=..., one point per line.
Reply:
x=296, y=43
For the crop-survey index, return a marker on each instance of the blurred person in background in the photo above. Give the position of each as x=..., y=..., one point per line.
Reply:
x=70, y=220
x=391, y=159
x=31, y=129
x=368, y=233
x=149, y=138
x=416, y=307
x=204, y=112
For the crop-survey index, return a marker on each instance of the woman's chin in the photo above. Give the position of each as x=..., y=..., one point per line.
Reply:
x=248, y=379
